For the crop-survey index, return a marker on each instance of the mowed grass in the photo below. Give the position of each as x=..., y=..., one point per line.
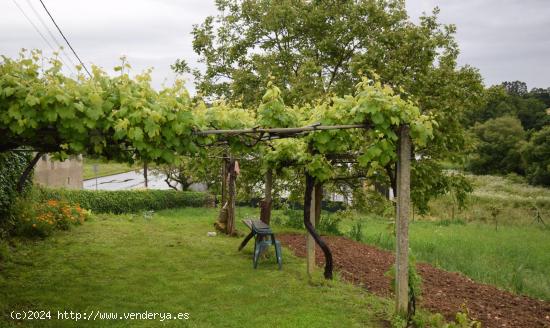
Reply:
x=168, y=264
x=515, y=258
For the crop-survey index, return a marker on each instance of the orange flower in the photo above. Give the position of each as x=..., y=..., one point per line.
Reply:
x=52, y=202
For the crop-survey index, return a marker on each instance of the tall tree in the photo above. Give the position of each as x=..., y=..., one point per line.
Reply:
x=496, y=102
x=499, y=143
x=516, y=88
x=532, y=113
x=542, y=95
x=537, y=155
x=499, y=101
x=317, y=49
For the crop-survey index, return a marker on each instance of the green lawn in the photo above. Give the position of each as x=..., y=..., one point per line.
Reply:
x=104, y=168
x=516, y=258
x=168, y=264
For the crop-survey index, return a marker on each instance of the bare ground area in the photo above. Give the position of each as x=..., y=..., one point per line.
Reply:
x=442, y=291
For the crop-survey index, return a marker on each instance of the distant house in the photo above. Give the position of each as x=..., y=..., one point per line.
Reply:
x=51, y=173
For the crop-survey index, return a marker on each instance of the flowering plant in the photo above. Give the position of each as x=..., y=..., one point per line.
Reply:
x=41, y=219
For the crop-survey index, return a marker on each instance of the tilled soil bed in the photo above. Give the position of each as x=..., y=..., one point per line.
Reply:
x=442, y=291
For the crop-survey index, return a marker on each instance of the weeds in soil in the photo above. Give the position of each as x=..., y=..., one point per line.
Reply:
x=463, y=319
x=148, y=215
x=415, y=286
x=293, y=219
x=517, y=280
x=330, y=224
x=356, y=232
x=514, y=198
x=447, y=222
x=513, y=258
x=495, y=211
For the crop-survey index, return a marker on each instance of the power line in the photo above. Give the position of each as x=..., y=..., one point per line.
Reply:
x=40, y=33
x=64, y=38
x=33, y=25
x=50, y=32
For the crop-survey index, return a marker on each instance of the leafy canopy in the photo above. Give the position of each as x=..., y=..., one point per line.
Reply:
x=116, y=117
x=124, y=118
x=315, y=50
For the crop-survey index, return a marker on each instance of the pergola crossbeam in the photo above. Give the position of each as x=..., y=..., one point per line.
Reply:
x=281, y=131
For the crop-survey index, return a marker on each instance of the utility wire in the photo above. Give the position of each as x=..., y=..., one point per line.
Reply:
x=40, y=33
x=52, y=36
x=64, y=38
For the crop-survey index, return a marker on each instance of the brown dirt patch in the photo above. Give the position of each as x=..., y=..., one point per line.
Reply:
x=442, y=291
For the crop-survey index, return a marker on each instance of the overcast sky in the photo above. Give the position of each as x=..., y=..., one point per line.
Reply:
x=505, y=39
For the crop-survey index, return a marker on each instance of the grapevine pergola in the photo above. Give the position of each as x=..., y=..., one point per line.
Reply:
x=125, y=119
x=403, y=199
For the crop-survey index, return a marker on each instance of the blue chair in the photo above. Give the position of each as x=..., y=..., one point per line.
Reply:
x=263, y=238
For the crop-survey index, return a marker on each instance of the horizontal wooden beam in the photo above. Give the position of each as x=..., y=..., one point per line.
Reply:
x=282, y=131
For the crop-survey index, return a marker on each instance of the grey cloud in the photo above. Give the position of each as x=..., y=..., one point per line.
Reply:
x=505, y=39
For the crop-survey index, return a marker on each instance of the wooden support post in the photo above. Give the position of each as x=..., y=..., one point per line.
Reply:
x=310, y=242
x=224, y=180
x=145, y=175
x=318, y=202
x=27, y=172
x=231, y=193
x=265, y=206
x=402, y=220
x=313, y=237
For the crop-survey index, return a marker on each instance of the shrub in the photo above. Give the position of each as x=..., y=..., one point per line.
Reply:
x=329, y=224
x=447, y=222
x=356, y=232
x=40, y=219
x=499, y=143
x=414, y=282
x=294, y=219
x=12, y=164
x=283, y=203
x=537, y=155
x=127, y=201
x=373, y=202
x=4, y=252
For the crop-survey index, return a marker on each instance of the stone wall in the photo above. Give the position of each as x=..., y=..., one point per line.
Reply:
x=67, y=174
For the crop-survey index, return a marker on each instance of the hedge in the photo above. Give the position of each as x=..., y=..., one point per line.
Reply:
x=12, y=164
x=127, y=201
x=330, y=206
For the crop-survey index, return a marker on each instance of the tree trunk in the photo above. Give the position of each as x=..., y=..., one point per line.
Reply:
x=318, y=202
x=308, y=222
x=145, y=175
x=265, y=206
x=310, y=241
x=231, y=193
x=27, y=172
x=226, y=218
